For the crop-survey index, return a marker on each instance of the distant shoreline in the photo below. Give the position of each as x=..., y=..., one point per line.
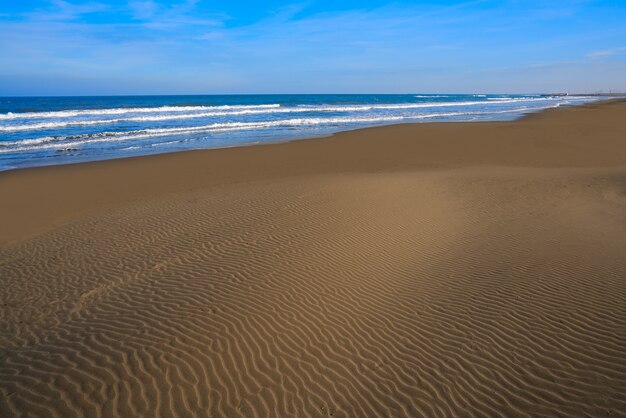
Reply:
x=616, y=95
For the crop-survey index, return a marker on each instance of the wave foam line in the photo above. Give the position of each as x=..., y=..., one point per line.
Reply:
x=158, y=132
x=303, y=109
x=58, y=142
x=123, y=110
x=444, y=104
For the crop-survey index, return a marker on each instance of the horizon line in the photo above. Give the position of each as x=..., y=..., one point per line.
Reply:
x=597, y=93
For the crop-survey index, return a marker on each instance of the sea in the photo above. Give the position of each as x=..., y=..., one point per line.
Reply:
x=38, y=131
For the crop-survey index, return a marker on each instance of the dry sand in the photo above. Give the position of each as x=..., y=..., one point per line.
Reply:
x=410, y=270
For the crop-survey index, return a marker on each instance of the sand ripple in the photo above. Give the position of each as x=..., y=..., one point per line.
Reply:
x=469, y=292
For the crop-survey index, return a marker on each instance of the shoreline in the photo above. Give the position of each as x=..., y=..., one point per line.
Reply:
x=63, y=156
x=72, y=190
x=522, y=117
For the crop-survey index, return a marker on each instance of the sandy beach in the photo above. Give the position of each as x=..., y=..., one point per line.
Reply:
x=437, y=269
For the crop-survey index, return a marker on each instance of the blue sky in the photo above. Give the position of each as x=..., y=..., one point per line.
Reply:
x=69, y=47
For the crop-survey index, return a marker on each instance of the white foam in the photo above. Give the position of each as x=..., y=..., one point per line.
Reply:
x=251, y=111
x=76, y=141
x=124, y=110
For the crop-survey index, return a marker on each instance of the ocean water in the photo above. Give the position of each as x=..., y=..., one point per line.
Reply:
x=38, y=131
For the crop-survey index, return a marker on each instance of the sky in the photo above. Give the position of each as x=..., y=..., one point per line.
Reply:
x=126, y=47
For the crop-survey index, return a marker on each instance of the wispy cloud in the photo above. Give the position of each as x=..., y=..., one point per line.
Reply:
x=607, y=52
x=61, y=10
x=154, y=15
x=303, y=47
x=143, y=9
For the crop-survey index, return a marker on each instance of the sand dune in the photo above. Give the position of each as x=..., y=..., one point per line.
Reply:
x=408, y=274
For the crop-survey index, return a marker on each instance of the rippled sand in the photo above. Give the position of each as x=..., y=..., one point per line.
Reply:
x=429, y=270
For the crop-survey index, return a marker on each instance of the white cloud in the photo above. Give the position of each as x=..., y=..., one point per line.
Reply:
x=607, y=53
x=62, y=10
x=392, y=48
x=143, y=9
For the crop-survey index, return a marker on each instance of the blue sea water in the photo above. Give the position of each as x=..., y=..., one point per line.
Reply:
x=38, y=131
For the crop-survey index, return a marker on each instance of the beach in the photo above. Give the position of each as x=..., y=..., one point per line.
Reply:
x=435, y=269
x=42, y=131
